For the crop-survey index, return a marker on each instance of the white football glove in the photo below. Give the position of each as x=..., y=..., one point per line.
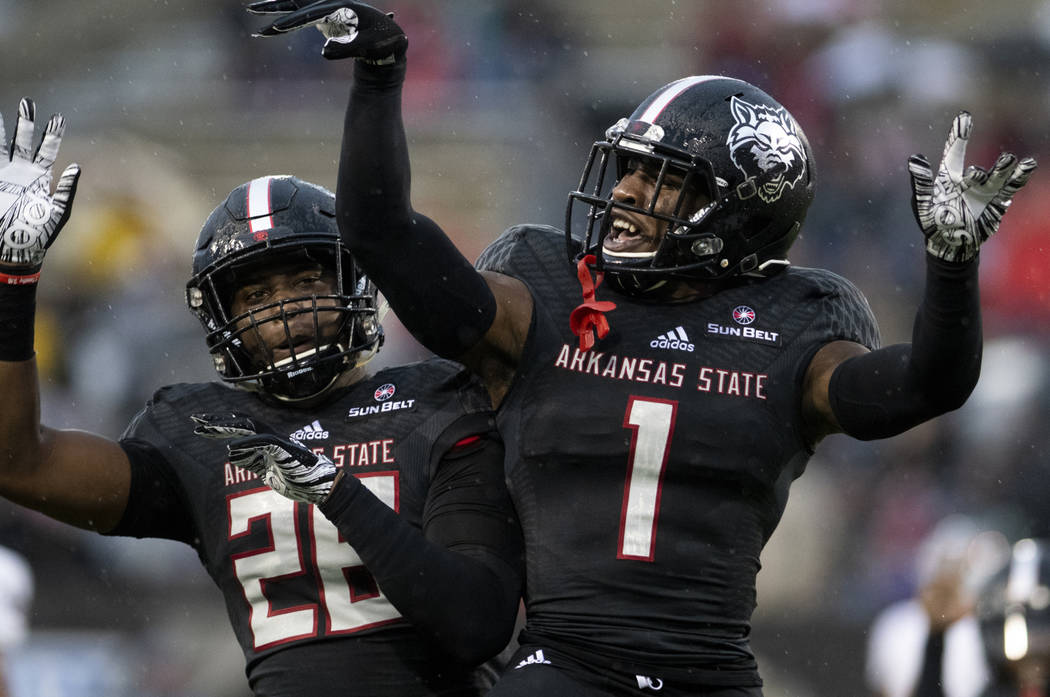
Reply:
x=30, y=216
x=960, y=209
x=283, y=464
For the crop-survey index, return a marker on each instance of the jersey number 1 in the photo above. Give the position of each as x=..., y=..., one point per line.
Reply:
x=652, y=423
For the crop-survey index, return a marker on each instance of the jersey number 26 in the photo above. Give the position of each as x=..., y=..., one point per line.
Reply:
x=342, y=610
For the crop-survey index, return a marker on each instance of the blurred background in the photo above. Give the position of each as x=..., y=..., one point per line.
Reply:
x=170, y=104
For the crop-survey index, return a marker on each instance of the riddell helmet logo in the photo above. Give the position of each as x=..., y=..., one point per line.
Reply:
x=764, y=143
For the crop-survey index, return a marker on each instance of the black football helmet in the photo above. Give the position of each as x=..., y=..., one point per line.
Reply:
x=271, y=221
x=734, y=145
x=1013, y=610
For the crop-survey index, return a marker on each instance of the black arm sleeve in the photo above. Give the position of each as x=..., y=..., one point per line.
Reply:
x=17, y=315
x=434, y=290
x=888, y=391
x=459, y=581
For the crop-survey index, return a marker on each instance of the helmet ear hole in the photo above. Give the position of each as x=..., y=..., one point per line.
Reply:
x=707, y=246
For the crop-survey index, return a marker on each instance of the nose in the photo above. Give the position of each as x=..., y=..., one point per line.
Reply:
x=299, y=313
x=631, y=189
x=285, y=309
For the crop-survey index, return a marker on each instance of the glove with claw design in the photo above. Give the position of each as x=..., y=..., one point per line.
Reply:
x=959, y=209
x=283, y=464
x=30, y=217
x=351, y=29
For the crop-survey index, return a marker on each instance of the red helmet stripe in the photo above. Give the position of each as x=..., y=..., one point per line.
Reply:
x=259, y=206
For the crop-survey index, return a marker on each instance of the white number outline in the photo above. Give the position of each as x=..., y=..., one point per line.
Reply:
x=651, y=422
x=284, y=554
x=357, y=612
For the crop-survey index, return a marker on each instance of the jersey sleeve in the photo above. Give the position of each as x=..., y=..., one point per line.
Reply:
x=497, y=256
x=839, y=312
x=459, y=579
x=468, y=508
x=526, y=251
x=156, y=500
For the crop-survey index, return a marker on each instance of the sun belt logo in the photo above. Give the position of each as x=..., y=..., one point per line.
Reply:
x=312, y=431
x=764, y=143
x=742, y=314
x=382, y=395
x=675, y=339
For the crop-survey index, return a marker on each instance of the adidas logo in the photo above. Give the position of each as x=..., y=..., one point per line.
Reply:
x=532, y=658
x=675, y=339
x=310, y=432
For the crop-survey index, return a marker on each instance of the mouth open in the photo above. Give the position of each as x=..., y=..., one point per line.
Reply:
x=628, y=240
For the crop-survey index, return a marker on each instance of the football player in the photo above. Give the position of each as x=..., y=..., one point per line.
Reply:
x=654, y=424
x=1013, y=613
x=391, y=564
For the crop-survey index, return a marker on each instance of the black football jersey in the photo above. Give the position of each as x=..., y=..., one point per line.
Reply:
x=649, y=471
x=308, y=615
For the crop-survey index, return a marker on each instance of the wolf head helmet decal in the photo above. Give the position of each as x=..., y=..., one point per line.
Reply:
x=764, y=140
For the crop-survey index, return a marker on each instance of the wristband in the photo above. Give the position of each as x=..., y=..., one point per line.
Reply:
x=17, y=314
x=20, y=280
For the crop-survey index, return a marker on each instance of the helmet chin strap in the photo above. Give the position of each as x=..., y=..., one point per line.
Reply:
x=289, y=387
x=768, y=267
x=636, y=284
x=288, y=399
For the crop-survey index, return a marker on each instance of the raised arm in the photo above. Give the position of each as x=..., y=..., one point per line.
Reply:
x=448, y=306
x=885, y=392
x=75, y=477
x=459, y=579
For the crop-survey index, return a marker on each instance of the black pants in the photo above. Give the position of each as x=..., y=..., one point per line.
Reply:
x=539, y=672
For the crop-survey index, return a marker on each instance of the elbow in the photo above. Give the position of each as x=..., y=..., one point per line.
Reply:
x=485, y=628
x=476, y=642
x=947, y=390
x=944, y=401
